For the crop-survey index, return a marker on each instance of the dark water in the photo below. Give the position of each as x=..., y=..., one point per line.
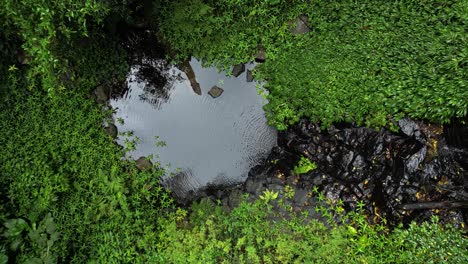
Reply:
x=208, y=140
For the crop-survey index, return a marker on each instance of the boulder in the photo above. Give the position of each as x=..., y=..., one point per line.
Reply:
x=260, y=56
x=411, y=129
x=111, y=130
x=142, y=163
x=101, y=94
x=238, y=70
x=249, y=76
x=300, y=25
x=215, y=91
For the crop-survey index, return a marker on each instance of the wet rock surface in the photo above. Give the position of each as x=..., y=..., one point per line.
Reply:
x=389, y=172
x=249, y=76
x=238, y=70
x=215, y=91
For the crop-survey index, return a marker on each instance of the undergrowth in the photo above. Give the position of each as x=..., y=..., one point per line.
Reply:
x=254, y=233
x=368, y=62
x=66, y=194
x=69, y=195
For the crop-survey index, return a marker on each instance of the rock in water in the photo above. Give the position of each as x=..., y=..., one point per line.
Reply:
x=238, y=70
x=249, y=76
x=215, y=91
x=187, y=69
x=142, y=163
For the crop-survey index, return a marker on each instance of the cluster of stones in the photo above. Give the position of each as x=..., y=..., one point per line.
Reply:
x=405, y=176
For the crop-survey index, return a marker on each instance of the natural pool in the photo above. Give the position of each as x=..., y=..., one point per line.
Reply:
x=207, y=140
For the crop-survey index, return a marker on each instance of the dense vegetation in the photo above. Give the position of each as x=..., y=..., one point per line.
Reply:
x=66, y=194
x=367, y=62
x=248, y=234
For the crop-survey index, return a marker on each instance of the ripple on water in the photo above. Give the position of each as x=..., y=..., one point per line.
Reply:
x=208, y=141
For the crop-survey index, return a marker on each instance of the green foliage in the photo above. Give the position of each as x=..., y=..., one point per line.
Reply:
x=372, y=61
x=3, y=256
x=248, y=235
x=33, y=242
x=44, y=29
x=430, y=243
x=57, y=160
x=366, y=62
x=304, y=166
x=268, y=195
x=226, y=32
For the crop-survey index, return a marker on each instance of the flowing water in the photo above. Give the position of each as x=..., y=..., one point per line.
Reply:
x=207, y=140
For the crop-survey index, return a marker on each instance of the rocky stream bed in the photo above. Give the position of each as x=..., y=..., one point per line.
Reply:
x=405, y=176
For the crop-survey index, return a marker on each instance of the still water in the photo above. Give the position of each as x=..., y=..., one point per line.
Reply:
x=207, y=140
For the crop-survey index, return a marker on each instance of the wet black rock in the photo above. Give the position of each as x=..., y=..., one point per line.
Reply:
x=384, y=170
x=238, y=70
x=381, y=168
x=235, y=198
x=411, y=129
x=249, y=76
x=254, y=187
x=456, y=133
x=301, y=196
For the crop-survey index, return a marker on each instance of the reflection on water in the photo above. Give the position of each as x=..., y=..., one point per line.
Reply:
x=208, y=141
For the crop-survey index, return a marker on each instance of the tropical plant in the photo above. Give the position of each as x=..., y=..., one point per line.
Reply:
x=304, y=166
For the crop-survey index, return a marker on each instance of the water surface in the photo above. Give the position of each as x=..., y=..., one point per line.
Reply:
x=208, y=140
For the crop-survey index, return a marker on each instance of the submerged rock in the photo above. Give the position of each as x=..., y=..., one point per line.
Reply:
x=142, y=163
x=188, y=70
x=215, y=91
x=238, y=70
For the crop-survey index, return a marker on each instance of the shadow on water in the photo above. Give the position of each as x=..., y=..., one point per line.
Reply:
x=148, y=67
x=208, y=141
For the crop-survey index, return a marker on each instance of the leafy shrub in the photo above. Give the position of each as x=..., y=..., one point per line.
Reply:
x=57, y=160
x=226, y=32
x=248, y=234
x=43, y=28
x=372, y=61
x=367, y=62
x=304, y=166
